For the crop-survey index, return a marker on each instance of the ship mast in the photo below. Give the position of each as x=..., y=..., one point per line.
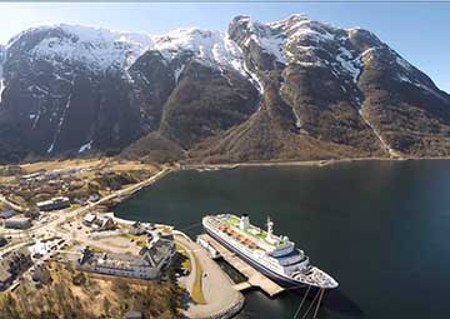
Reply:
x=269, y=227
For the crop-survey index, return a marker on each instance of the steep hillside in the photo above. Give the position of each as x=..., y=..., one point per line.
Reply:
x=331, y=92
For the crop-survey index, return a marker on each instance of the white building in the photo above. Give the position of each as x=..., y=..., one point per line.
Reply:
x=150, y=263
x=89, y=219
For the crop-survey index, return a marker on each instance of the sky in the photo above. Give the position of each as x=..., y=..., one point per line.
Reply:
x=418, y=31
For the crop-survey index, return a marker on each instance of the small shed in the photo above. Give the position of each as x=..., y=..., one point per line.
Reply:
x=89, y=219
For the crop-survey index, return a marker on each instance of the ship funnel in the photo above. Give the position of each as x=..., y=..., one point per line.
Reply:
x=244, y=222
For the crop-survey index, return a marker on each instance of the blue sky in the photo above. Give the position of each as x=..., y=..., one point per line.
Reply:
x=420, y=32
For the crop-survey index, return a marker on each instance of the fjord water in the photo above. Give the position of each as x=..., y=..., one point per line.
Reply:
x=382, y=229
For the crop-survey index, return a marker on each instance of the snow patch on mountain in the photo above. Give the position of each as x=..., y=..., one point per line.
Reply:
x=300, y=28
x=2, y=88
x=272, y=44
x=409, y=80
x=209, y=47
x=178, y=72
x=60, y=124
x=267, y=38
x=350, y=64
x=295, y=40
x=85, y=147
x=98, y=48
x=237, y=59
x=254, y=79
x=405, y=64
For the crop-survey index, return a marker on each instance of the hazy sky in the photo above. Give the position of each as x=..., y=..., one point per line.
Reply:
x=420, y=32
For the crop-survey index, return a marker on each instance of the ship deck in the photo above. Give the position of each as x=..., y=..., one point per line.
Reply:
x=254, y=277
x=256, y=233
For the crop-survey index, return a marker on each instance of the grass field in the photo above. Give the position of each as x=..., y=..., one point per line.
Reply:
x=55, y=164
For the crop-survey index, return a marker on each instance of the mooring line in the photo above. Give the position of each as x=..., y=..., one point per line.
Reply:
x=301, y=303
x=311, y=305
x=322, y=291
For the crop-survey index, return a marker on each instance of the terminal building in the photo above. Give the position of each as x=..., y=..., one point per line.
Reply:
x=149, y=264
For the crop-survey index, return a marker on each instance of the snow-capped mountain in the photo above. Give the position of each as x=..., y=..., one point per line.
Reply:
x=342, y=86
x=291, y=89
x=97, y=48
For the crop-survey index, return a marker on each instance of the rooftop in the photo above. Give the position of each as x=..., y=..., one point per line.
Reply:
x=150, y=256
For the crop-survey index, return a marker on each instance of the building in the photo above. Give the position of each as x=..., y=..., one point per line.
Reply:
x=18, y=222
x=99, y=223
x=89, y=219
x=138, y=228
x=149, y=264
x=7, y=214
x=13, y=265
x=105, y=223
x=54, y=204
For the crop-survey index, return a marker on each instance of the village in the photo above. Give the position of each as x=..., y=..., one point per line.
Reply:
x=57, y=229
x=62, y=216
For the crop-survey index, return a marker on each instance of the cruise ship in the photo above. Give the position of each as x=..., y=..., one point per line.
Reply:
x=274, y=256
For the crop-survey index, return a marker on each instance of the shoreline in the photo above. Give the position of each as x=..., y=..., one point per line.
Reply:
x=319, y=163
x=166, y=170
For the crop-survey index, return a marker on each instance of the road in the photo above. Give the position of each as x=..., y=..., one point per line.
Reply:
x=11, y=204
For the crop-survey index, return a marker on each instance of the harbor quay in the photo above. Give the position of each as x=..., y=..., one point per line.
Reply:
x=253, y=277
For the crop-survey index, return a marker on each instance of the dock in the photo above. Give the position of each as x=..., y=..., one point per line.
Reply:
x=254, y=277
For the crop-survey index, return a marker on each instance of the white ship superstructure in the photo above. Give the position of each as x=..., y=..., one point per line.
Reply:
x=275, y=256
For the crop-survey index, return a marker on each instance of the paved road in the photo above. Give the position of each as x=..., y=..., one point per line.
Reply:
x=217, y=286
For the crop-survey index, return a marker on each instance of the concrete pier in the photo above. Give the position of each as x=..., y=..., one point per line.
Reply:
x=254, y=277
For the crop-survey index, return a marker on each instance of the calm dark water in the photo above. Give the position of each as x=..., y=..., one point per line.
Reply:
x=382, y=229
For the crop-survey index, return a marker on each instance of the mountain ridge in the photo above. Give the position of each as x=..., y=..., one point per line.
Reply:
x=290, y=89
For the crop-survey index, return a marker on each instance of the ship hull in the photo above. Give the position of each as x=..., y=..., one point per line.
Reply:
x=281, y=280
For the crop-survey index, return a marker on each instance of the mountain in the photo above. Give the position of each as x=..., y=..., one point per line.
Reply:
x=2, y=58
x=291, y=89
